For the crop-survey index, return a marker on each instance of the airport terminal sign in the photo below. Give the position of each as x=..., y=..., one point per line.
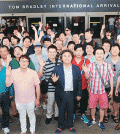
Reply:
x=44, y=6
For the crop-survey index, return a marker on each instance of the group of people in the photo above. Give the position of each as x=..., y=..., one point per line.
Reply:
x=73, y=67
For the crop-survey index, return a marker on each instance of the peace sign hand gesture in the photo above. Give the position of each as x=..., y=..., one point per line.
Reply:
x=54, y=77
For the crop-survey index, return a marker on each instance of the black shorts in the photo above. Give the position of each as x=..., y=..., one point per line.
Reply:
x=116, y=98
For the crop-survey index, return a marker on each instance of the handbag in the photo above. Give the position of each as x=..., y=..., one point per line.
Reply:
x=44, y=83
x=106, y=89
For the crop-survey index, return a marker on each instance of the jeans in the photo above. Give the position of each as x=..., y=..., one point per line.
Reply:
x=4, y=103
x=111, y=27
x=29, y=108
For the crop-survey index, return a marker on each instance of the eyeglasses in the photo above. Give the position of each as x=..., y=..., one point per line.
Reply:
x=24, y=61
x=114, y=67
x=66, y=30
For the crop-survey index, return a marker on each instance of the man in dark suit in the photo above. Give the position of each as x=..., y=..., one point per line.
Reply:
x=67, y=78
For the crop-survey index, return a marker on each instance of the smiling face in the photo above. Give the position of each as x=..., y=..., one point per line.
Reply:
x=17, y=52
x=13, y=41
x=38, y=50
x=79, y=52
x=67, y=58
x=4, y=52
x=26, y=43
x=89, y=49
x=6, y=42
x=115, y=50
x=99, y=55
x=24, y=63
x=52, y=53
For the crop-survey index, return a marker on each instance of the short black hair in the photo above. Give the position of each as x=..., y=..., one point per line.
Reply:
x=2, y=33
x=64, y=51
x=46, y=39
x=27, y=37
x=5, y=47
x=99, y=48
x=78, y=46
x=90, y=44
x=90, y=30
x=25, y=32
x=18, y=47
x=107, y=41
x=70, y=42
x=25, y=56
x=52, y=46
x=15, y=37
x=75, y=33
x=117, y=45
x=5, y=38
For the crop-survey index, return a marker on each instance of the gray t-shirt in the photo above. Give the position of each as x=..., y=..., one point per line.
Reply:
x=116, y=68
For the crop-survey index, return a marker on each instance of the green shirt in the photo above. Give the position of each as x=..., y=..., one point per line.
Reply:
x=14, y=64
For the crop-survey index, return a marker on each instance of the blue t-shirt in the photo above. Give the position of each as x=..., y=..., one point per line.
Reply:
x=3, y=88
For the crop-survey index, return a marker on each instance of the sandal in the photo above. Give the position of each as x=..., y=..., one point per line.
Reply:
x=115, y=119
x=106, y=118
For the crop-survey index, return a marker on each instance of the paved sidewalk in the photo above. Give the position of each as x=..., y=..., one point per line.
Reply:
x=81, y=127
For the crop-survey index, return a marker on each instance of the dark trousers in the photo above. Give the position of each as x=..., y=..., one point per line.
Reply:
x=83, y=102
x=66, y=104
x=4, y=103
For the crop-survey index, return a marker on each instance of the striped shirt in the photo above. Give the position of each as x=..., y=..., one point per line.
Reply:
x=47, y=71
x=94, y=82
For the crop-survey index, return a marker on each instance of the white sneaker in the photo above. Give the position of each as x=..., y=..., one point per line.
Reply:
x=44, y=107
x=6, y=130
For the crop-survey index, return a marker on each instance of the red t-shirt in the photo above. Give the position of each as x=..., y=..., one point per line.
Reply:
x=84, y=81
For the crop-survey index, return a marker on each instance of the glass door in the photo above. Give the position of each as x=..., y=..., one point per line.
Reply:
x=35, y=22
x=77, y=24
x=96, y=24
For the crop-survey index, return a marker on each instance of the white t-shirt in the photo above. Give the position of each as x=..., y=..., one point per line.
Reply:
x=111, y=21
x=118, y=38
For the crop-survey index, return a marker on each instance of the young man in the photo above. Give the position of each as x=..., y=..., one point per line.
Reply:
x=106, y=36
x=75, y=38
x=36, y=59
x=117, y=93
x=96, y=86
x=89, y=51
x=88, y=38
x=67, y=78
x=59, y=45
x=6, y=42
x=107, y=46
x=28, y=49
x=114, y=60
x=26, y=82
x=71, y=45
x=79, y=61
x=4, y=98
x=47, y=69
x=47, y=43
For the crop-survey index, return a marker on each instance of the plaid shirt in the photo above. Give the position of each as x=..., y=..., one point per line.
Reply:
x=94, y=82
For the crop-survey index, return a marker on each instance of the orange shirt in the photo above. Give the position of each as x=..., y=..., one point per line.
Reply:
x=24, y=86
x=84, y=81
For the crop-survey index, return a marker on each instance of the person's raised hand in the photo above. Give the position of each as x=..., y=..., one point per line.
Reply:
x=54, y=78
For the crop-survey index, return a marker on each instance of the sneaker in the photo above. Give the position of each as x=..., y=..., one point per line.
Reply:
x=44, y=107
x=91, y=122
x=72, y=130
x=84, y=118
x=48, y=120
x=102, y=126
x=58, y=131
x=6, y=130
x=73, y=117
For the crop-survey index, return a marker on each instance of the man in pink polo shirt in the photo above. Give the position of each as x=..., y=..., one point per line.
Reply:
x=25, y=81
